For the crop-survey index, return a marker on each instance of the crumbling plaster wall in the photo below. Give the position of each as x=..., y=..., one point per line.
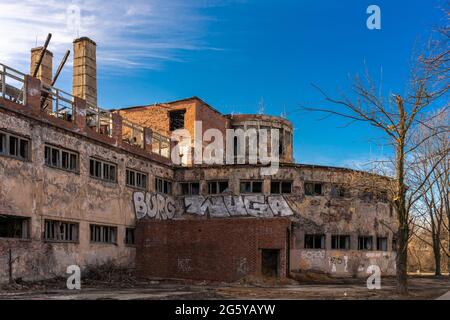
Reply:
x=324, y=214
x=31, y=189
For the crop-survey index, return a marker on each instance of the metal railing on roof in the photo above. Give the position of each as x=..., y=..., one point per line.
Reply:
x=160, y=145
x=99, y=120
x=57, y=103
x=132, y=134
x=12, y=84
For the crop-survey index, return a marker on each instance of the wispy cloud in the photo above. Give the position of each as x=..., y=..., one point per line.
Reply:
x=130, y=34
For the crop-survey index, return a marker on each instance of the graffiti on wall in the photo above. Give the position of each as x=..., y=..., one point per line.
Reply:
x=153, y=205
x=163, y=207
x=233, y=206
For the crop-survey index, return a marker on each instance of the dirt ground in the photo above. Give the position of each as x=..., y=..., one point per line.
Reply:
x=421, y=287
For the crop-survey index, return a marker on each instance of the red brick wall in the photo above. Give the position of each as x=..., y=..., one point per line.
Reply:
x=217, y=250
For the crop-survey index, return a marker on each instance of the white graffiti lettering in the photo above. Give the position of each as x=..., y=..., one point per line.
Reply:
x=153, y=205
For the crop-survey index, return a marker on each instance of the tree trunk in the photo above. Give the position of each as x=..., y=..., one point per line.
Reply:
x=400, y=203
x=437, y=255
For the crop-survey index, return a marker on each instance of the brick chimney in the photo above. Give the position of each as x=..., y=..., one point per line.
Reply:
x=45, y=70
x=84, y=83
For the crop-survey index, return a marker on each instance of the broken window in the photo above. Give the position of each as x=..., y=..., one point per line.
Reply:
x=279, y=187
x=163, y=186
x=136, y=179
x=176, y=119
x=14, y=146
x=102, y=170
x=60, y=158
x=14, y=227
x=190, y=188
x=103, y=234
x=61, y=231
x=365, y=243
x=339, y=242
x=382, y=244
x=216, y=187
x=339, y=191
x=313, y=189
x=251, y=186
x=129, y=236
x=314, y=241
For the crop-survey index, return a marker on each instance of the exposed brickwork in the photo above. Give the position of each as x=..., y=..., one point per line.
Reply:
x=217, y=250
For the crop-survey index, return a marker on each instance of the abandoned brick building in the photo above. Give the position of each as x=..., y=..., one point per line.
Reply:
x=82, y=185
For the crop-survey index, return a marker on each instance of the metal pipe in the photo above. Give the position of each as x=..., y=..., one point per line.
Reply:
x=61, y=65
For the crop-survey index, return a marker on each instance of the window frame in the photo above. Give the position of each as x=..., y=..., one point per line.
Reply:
x=314, y=184
x=61, y=150
x=102, y=228
x=102, y=169
x=171, y=124
x=386, y=242
x=323, y=242
x=339, y=238
x=126, y=237
x=363, y=238
x=280, y=186
x=252, y=182
x=7, y=146
x=24, y=228
x=75, y=232
x=136, y=174
x=217, y=183
x=164, y=183
x=189, y=188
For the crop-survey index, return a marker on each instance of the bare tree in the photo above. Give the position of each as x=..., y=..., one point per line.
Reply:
x=432, y=208
x=397, y=116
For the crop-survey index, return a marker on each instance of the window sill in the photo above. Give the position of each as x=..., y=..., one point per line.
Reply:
x=61, y=241
x=15, y=239
x=61, y=169
x=109, y=182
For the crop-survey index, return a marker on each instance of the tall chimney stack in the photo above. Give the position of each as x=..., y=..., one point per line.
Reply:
x=45, y=70
x=84, y=84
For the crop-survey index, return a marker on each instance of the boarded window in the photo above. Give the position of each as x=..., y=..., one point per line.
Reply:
x=61, y=231
x=176, y=119
x=136, y=179
x=102, y=170
x=365, y=243
x=314, y=241
x=14, y=227
x=61, y=158
x=103, y=234
x=339, y=242
x=313, y=189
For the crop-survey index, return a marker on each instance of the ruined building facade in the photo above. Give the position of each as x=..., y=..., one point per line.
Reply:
x=81, y=185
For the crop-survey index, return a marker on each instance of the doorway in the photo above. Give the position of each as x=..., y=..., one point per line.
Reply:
x=269, y=262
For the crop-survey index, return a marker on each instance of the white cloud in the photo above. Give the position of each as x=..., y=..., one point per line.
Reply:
x=129, y=34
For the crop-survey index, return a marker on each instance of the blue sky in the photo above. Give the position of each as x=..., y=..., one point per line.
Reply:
x=235, y=54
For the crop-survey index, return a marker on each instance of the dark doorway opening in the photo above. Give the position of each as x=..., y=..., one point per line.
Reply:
x=269, y=262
